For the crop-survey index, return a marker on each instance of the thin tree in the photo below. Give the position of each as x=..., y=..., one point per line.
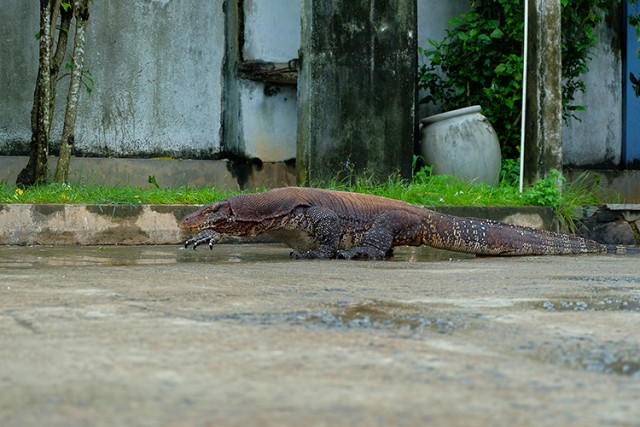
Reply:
x=55, y=20
x=81, y=12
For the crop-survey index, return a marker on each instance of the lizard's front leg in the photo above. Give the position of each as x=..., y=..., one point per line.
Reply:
x=207, y=236
x=324, y=224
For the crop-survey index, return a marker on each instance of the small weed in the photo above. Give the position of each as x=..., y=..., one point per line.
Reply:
x=546, y=192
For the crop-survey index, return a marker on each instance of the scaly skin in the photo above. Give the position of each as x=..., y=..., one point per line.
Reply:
x=334, y=224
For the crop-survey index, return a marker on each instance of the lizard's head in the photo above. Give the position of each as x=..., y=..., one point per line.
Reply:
x=210, y=217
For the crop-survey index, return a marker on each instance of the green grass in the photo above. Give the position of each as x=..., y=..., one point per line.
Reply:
x=434, y=190
x=96, y=194
x=424, y=189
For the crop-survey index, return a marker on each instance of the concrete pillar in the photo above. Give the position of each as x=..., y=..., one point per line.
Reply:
x=230, y=130
x=543, y=130
x=356, y=89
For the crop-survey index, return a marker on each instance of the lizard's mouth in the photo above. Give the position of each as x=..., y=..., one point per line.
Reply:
x=189, y=223
x=195, y=222
x=195, y=226
x=207, y=217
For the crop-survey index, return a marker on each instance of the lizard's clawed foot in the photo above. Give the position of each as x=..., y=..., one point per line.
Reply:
x=207, y=236
x=344, y=255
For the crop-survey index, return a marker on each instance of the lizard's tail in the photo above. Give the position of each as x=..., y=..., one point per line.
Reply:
x=487, y=237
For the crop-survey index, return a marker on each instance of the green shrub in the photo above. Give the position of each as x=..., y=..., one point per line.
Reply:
x=480, y=62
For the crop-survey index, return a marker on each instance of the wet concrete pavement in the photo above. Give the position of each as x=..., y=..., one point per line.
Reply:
x=241, y=335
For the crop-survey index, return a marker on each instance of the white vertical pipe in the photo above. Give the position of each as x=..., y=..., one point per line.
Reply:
x=524, y=91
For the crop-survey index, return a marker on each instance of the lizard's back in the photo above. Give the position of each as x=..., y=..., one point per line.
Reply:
x=281, y=201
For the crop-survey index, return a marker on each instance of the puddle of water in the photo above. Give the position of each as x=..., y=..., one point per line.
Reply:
x=385, y=316
x=389, y=316
x=426, y=253
x=72, y=256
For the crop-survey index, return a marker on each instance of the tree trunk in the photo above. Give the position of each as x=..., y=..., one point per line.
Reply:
x=81, y=11
x=66, y=14
x=36, y=169
x=44, y=93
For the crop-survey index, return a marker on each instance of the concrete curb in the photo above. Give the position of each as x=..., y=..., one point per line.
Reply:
x=44, y=224
x=90, y=224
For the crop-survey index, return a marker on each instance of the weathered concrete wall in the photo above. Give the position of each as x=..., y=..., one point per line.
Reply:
x=90, y=225
x=157, y=68
x=612, y=184
x=433, y=21
x=161, y=84
x=357, y=89
x=261, y=117
x=596, y=139
x=18, y=69
x=434, y=16
x=271, y=30
x=160, y=90
x=223, y=174
x=266, y=120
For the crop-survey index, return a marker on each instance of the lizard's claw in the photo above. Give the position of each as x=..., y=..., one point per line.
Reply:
x=208, y=236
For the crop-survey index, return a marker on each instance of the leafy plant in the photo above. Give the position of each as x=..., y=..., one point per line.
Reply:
x=546, y=192
x=480, y=62
x=510, y=173
x=579, y=20
x=152, y=180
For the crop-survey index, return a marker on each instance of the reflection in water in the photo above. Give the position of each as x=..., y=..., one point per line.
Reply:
x=71, y=256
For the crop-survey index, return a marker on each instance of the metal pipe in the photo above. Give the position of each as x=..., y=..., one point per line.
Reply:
x=524, y=91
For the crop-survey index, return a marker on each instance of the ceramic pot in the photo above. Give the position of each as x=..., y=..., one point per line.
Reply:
x=461, y=143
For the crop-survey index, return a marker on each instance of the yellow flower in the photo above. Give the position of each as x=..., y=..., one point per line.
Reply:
x=64, y=197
